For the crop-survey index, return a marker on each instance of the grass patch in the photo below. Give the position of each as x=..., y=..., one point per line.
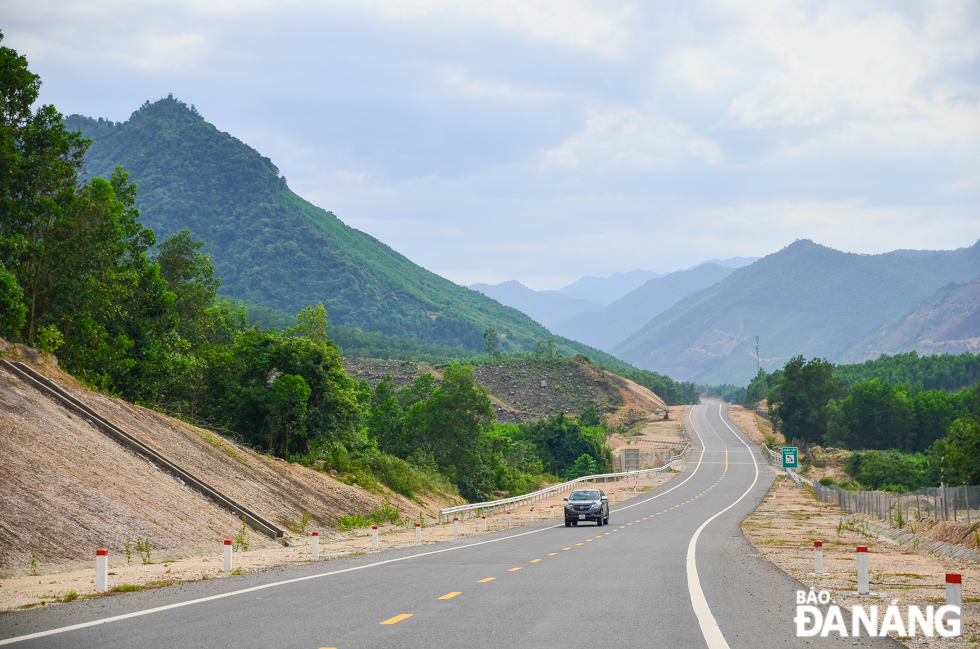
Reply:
x=69, y=595
x=127, y=588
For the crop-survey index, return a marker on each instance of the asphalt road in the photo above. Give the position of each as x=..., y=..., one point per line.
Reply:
x=672, y=570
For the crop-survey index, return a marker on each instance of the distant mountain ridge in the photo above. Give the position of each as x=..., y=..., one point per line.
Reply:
x=606, y=290
x=616, y=322
x=274, y=249
x=546, y=307
x=805, y=299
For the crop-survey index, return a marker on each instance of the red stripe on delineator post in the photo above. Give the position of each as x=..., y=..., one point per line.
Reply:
x=315, y=545
x=954, y=596
x=818, y=557
x=864, y=586
x=101, y=570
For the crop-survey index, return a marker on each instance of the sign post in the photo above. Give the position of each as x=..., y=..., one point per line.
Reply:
x=790, y=457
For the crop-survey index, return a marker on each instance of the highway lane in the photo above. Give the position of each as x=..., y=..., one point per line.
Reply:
x=628, y=583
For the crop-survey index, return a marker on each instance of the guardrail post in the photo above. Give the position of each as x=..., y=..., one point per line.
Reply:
x=418, y=532
x=315, y=543
x=456, y=525
x=818, y=557
x=440, y=517
x=101, y=570
x=508, y=518
x=228, y=560
x=954, y=596
x=862, y=566
x=374, y=537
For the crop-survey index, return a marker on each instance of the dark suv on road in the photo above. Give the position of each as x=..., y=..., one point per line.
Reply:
x=586, y=505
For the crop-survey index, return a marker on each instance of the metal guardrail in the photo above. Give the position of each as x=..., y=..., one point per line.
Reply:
x=44, y=384
x=494, y=506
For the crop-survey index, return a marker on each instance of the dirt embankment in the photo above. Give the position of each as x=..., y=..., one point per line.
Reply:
x=783, y=532
x=68, y=489
x=521, y=390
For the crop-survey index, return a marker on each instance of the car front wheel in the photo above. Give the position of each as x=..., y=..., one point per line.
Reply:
x=598, y=521
x=568, y=523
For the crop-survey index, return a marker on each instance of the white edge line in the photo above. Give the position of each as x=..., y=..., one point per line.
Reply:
x=709, y=626
x=201, y=600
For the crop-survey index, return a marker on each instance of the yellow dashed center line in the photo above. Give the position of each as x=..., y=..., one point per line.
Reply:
x=551, y=554
x=483, y=581
x=397, y=618
x=451, y=595
x=513, y=569
x=535, y=560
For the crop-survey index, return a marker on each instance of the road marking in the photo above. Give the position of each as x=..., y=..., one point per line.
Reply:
x=513, y=569
x=535, y=560
x=709, y=626
x=578, y=544
x=588, y=540
x=483, y=581
x=397, y=618
x=451, y=595
x=551, y=554
x=566, y=548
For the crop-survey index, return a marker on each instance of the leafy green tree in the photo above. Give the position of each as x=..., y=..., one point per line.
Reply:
x=313, y=323
x=451, y=427
x=957, y=456
x=385, y=421
x=798, y=400
x=288, y=413
x=590, y=416
x=584, y=465
x=12, y=309
x=189, y=275
x=491, y=342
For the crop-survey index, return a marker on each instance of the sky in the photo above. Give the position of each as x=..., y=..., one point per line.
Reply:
x=491, y=140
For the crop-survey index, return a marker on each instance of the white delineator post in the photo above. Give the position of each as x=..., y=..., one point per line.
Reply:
x=765, y=504
x=456, y=525
x=374, y=537
x=101, y=570
x=315, y=543
x=227, y=555
x=508, y=519
x=532, y=514
x=954, y=595
x=418, y=532
x=484, y=523
x=552, y=514
x=862, y=560
x=818, y=557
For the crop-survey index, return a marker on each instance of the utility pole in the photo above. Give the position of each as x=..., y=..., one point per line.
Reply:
x=758, y=361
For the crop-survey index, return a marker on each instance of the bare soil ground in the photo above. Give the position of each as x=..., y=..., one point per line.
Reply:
x=754, y=424
x=206, y=562
x=784, y=534
x=68, y=489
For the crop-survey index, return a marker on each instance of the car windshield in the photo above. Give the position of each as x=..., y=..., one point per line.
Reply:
x=584, y=495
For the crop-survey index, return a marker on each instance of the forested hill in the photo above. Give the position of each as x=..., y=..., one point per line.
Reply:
x=805, y=299
x=272, y=248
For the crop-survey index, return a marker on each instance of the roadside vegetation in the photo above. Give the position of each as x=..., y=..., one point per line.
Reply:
x=910, y=421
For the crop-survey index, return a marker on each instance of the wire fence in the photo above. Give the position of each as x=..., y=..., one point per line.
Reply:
x=959, y=504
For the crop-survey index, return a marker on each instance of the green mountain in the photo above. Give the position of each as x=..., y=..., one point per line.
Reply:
x=274, y=249
x=805, y=299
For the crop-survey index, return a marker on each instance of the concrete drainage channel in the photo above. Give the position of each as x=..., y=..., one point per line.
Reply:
x=43, y=384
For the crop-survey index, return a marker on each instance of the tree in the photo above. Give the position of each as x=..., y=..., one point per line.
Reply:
x=385, y=419
x=584, y=465
x=190, y=277
x=491, y=342
x=590, y=416
x=957, y=456
x=313, y=323
x=799, y=397
x=289, y=396
x=12, y=309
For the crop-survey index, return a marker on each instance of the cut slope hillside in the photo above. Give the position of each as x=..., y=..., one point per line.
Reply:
x=805, y=299
x=272, y=248
x=68, y=488
x=948, y=322
x=614, y=323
